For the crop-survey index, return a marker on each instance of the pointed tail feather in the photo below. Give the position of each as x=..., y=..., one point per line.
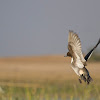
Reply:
x=90, y=53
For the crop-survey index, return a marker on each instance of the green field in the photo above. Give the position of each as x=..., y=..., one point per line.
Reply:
x=67, y=90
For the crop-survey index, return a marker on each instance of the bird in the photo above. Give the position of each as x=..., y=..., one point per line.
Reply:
x=78, y=61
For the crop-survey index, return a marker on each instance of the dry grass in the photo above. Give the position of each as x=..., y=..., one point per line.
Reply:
x=30, y=69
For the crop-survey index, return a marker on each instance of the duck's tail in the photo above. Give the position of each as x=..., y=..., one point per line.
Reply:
x=90, y=53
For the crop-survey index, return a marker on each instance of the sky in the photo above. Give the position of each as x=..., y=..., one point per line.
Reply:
x=40, y=27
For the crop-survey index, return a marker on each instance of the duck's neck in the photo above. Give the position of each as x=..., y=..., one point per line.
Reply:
x=71, y=59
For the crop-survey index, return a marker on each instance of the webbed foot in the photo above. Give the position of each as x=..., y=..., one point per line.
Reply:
x=80, y=81
x=89, y=79
x=83, y=78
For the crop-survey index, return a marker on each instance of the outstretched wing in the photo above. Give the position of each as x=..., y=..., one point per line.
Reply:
x=74, y=47
x=90, y=53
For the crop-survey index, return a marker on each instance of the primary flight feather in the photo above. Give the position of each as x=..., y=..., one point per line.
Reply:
x=78, y=61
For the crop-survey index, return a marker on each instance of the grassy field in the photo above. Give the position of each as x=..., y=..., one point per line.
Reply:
x=46, y=78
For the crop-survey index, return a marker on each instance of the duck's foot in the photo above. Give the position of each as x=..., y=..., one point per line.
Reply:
x=83, y=78
x=88, y=82
x=80, y=81
x=89, y=79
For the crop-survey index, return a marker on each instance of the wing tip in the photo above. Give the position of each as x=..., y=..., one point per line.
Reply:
x=70, y=30
x=99, y=40
x=97, y=43
x=73, y=35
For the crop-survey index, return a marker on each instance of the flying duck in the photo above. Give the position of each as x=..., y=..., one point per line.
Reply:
x=78, y=61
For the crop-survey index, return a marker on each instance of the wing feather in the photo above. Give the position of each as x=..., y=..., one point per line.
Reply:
x=74, y=46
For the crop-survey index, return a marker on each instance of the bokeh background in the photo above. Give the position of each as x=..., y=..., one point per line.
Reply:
x=33, y=41
x=41, y=27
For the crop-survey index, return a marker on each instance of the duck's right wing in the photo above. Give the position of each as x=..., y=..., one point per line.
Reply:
x=90, y=53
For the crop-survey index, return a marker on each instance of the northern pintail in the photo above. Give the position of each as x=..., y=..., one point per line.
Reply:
x=78, y=61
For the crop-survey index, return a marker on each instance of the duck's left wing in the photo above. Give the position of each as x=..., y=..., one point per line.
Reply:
x=90, y=53
x=74, y=47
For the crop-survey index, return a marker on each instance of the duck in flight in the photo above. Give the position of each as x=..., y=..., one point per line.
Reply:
x=78, y=61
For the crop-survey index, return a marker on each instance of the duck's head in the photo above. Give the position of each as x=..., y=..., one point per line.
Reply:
x=68, y=55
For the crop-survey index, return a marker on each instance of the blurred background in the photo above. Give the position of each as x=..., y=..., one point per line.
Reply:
x=33, y=40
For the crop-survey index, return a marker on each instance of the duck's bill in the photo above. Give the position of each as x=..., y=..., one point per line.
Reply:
x=65, y=55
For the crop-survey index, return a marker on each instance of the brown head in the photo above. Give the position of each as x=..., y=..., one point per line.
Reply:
x=68, y=54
